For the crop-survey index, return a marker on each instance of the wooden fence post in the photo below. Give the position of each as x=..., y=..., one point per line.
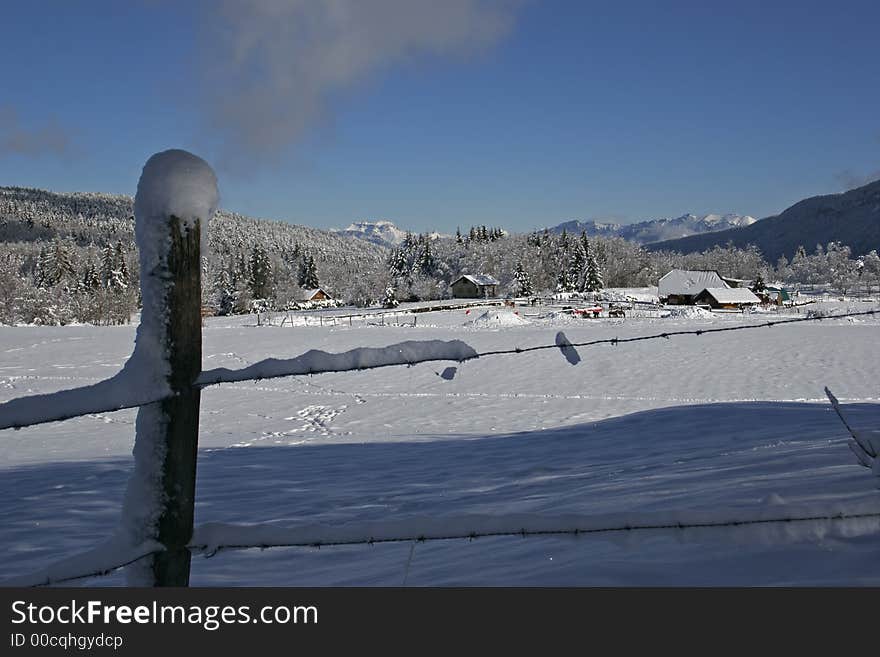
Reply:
x=176, y=197
x=171, y=568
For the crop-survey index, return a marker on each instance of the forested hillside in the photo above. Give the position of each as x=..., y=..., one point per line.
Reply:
x=71, y=258
x=851, y=218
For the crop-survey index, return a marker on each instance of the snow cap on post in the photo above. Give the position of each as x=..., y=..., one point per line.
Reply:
x=178, y=184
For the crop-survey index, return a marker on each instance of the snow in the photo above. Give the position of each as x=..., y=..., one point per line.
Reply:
x=864, y=444
x=214, y=536
x=716, y=427
x=178, y=184
x=116, y=551
x=480, y=279
x=144, y=495
x=565, y=346
x=173, y=183
x=317, y=361
x=690, y=282
x=656, y=230
x=381, y=232
x=732, y=295
x=689, y=312
x=496, y=319
x=124, y=390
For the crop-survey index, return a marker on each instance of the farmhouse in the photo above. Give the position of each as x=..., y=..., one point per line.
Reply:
x=728, y=298
x=316, y=294
x=475, y=286
x=681, y=286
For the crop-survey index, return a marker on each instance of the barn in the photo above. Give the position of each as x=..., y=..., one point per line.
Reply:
x=738, y=282
x=316, y=294
x=475, y=286
x=681, y=286
x=728, y=298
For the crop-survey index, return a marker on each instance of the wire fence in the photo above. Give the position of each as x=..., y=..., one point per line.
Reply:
x=296, y=366
x=50, y=410
x=513, y=532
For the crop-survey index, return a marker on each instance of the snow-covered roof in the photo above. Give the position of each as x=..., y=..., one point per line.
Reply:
x=688, y=281
x=737, y=282
x=732, y=294
x=480, y=279
x=308, y=294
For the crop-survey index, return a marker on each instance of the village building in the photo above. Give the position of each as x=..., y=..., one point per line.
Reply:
x=314, y=296
x=475, y=286
x=728, y=298
x=774, y=295
x=681, y=286
x=737, y=282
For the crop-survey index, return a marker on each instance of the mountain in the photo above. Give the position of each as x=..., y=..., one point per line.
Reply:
x=852, y=218
x=383, y=232
x=655, y=230
x=87, y=220
x=84, y=223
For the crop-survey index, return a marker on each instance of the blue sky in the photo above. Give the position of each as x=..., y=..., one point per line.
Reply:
x=609, y=110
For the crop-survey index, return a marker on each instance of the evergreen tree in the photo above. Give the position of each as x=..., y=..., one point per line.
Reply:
x=41, y=273
x=117, y=281
x=427, y=265
x=758, y=286
x=59, y=264
x=108, y=264
x=576, y=266
x=119, y=262
x=223, y=292
x=584, y=259
x=390, y=298
x=523, y=281
x=308, y=273
x=593, y=281
x=563, y=241
x=260, y=278
x=397, y=265
x=91, y=279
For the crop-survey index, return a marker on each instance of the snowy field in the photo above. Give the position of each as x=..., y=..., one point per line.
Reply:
x=716, y=427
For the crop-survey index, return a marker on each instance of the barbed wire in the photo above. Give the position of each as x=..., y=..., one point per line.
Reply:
x=670, y=334
x=415, y=538
x=230, y=375
x=211, y=550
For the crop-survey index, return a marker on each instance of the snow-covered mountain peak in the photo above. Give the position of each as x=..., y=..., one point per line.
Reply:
x=655, y=230
x=382, y=232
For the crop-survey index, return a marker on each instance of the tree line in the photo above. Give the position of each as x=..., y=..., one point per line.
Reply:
x=71, y=258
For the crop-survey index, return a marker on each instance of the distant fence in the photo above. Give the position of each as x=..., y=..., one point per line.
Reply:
x=279, y=318
x=392, y=317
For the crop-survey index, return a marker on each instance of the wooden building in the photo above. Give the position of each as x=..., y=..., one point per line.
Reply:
x=314, y=295
x=475, y=286
x=681, y=286
x=728, y=298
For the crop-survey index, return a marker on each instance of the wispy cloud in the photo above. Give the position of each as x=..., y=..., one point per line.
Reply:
x=849, y=179
x=271, y=69
x=19, y=138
